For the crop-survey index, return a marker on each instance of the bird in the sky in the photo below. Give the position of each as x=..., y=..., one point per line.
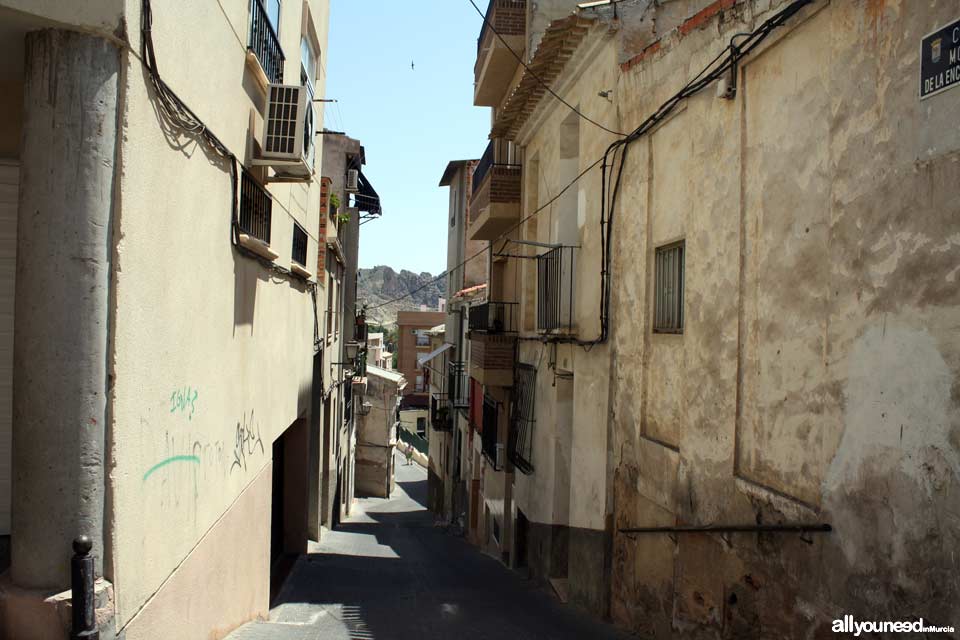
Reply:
x=412, y=68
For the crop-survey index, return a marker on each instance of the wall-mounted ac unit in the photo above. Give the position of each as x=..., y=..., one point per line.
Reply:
x=353, y=181
x=501, y=458
x=284, y=145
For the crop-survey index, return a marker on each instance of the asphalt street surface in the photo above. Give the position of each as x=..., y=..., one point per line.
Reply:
x=387, y=573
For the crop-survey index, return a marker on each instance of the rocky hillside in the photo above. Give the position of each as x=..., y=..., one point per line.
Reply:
x=379, y=284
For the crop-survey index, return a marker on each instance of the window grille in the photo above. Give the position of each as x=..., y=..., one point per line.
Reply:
x=520, y=449
x=263, y=39
x=556, y=270
x=256, y=209
x=282, y=121
x=668, y=288
x=488, y=433
x=299, y=251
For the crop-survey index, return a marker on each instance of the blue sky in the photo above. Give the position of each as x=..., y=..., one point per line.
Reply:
x=411, y=122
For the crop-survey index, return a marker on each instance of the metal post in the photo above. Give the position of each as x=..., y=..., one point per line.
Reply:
x=82, y=594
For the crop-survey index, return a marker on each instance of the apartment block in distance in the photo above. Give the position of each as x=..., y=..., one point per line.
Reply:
x=413, y=339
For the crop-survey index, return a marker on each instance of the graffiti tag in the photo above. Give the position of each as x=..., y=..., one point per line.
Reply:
x=185, y=401
x=246, y=441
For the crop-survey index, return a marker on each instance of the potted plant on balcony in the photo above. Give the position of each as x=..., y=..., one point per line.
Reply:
x=334, y=204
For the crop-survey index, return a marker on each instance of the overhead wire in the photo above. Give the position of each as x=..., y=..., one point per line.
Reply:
x=704, y=78
x=180, y=116
x=502, y=235
x=533, y=74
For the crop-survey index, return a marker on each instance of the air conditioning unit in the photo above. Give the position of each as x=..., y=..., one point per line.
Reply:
x=287, y=127
x=501, y=458
x=353, y=181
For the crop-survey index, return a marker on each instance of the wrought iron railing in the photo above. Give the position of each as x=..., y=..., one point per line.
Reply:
x=556, y=270
x=522, y=420
x=483, y=166
x=458, y=384
x=256, y=209
x=488, y=435
x=299, y=252
x=264, y=42
x=441, y=412
x=494, y=317
x=487, y=17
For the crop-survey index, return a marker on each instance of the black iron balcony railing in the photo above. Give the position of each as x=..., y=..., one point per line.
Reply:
x=299, y=252
x=522, y=421
x=441, y=412
x=483, y=166
x=486, y=25
x=556, y=270
x=256, y=209
x=458, y=384
x=494, y=317
x=488, y=435
x=264, y=42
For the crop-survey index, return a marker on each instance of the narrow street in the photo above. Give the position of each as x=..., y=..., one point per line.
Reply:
x=388, y=573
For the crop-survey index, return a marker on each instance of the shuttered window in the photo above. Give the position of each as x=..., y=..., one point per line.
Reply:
x=669, y=262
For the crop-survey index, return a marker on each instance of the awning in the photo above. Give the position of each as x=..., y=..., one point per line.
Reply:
x=366, y=198
x=422, y=360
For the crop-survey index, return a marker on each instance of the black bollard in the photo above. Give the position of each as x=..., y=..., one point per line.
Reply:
x=81, y=585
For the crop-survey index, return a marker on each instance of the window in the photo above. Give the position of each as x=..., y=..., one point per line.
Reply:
x=273, y=14
x=520, y=448
x=423, y=340
x=299, y=252
x=264, y=41
x=308, y=75
x=421, y=426
x=669, y=262
x=256, y=209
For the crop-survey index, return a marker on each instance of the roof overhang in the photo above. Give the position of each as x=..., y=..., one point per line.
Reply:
x=556, y=48
x=451, y=170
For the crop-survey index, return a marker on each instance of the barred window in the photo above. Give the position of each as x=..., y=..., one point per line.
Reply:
x=668, y=288
x=299, y=251
x=256, y=207
x=520, y=449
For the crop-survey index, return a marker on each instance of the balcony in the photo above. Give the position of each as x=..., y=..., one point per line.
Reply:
x=494, y=317
x=492, y=357
x=496, y=64
x=556, y=270
x=458, y=385
x=489, y=436
x=264, y=45
x=522, y=421
x=495, y=204
x=441, y=412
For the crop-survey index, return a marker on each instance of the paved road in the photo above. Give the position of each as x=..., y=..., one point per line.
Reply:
x=389, y=574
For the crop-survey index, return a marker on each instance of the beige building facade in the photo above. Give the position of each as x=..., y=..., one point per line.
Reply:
x=730, y=410
x=174, y=412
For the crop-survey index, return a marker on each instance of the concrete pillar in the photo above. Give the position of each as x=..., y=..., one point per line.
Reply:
x=64, y=249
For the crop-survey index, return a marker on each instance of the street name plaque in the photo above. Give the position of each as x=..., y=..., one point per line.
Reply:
x=940, y=60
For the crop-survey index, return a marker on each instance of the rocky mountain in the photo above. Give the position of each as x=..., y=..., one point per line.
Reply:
x=381, y=283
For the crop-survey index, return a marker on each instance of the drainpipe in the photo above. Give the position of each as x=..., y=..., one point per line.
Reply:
x=64, y=249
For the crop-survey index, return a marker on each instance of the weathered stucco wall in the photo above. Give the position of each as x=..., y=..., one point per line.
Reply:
x=568, y=487
x=816, y=379
x=212, y=354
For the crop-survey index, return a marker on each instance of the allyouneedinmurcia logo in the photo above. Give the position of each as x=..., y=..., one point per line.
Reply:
x=849, y=625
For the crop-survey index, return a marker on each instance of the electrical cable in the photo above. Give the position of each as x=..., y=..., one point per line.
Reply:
x=519, y=58
x=697, y=84
x=179, y=116
x=503, y=234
